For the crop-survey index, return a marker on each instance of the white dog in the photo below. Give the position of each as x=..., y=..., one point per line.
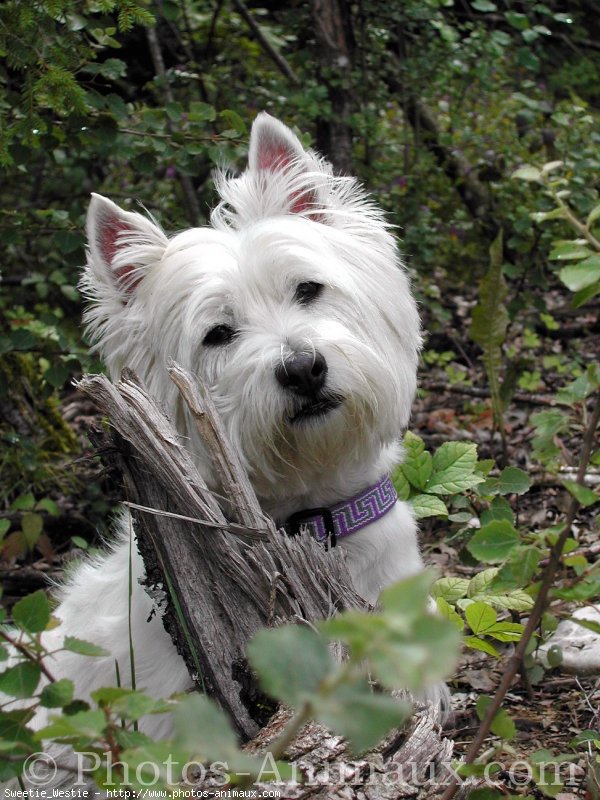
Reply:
x=293, y=305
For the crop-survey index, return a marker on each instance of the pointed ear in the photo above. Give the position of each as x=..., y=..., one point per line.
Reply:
x=122, y=244
x=275, y=149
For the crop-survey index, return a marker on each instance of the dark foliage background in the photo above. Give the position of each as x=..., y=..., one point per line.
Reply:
x=473, y=122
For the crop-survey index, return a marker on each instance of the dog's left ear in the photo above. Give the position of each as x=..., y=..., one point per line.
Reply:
x=123, y=245
x=275, y=150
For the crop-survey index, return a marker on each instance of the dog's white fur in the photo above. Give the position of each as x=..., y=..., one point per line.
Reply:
x=287, y=220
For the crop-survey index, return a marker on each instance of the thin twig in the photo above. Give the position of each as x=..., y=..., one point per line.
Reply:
x=232, y=527
x=513, y=665
x=25, y=652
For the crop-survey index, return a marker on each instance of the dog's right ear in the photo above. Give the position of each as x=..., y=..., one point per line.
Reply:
x=123, y=245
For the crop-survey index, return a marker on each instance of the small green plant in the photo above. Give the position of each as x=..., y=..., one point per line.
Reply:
x=401, y=646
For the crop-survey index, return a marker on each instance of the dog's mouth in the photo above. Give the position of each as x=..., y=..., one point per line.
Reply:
x=316, y=408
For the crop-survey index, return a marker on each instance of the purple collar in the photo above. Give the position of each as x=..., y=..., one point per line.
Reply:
x=349, y=516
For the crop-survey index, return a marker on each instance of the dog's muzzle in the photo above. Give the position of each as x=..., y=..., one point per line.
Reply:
x=304, y=375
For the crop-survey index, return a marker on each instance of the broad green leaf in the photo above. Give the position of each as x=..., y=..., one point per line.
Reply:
x=361, y=716
x=83, y=648
x=513, y=481
x=450, y=589
x=84, y=725
x=586, y=497
x=401, y=484
x=291, y=662
x=569, y=251
x=203, y=729
x=428, y=505
x=581, y=275
x=593, y=216
x=480, y=644
x=493, y=542
x=505, y=631
x=454, y=468
x=448, y=612
x=484, y=6
x=481, y=582
x=57, y=694
x=480, y=617
x=32, y=613
x=499, y=509
x=20, y=680
x=129, y=704
x=409, y=596
x=581, y=297
x=527, y=173
x=32, y=526
x=417, y=464
x=515, y=600
x=520, y=568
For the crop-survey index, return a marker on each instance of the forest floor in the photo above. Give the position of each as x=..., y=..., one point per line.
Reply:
x=453, y=404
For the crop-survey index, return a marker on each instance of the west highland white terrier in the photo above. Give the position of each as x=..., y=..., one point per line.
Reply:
x=294, y=306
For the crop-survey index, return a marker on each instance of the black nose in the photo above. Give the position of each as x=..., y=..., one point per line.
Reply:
x=303, y=373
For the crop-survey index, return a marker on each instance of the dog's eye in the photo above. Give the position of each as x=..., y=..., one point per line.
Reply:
x=307, y=292
x=220, y=334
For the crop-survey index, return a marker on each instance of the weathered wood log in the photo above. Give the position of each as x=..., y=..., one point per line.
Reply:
x=227, y=578
x=220, y=580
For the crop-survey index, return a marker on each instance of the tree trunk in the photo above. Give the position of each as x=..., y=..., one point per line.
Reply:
x=335, y=43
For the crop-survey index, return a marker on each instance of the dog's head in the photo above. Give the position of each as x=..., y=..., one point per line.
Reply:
x=293, y=306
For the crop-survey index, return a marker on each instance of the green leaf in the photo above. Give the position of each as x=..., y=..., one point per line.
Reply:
x=450, y=589
x=499, y=509
x=448, y=612
x=502, y=724
x=408, y=597
x=129, y=704
x=20, y=680
x=527, y=173
x=428, y=505
x=454, y=468
x=518, y=21
x=480, y=617
x=202, y=728
x=24, y=502
x=493, y=542
x=586, y=497
x=592, y=216
x=569, y=251
x=484, y=6
x=481, y=582
x=520, y=568
x=361, y=716
x=32, y=526
x=401, y=485
x=57, y=694
x=581, y=275
x=4, y=528
x=32, y=613
x=87, y=726
x=291, y=662
x=417, y=464
x=581, y=297
x=83, y=648
x=480, y=644
x=513, y=481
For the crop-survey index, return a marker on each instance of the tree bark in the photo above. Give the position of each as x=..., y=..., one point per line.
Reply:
x=335, y=43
